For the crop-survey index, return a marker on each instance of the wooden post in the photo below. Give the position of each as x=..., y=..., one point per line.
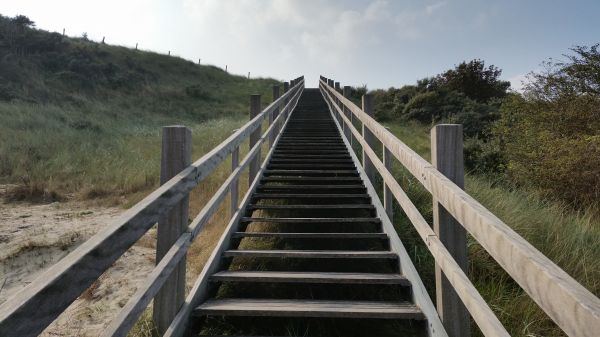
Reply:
x=248, y=75
x=225, y=68
x=346, y=92
x=176, y=156
x=254, y=137
x=368, y=106
x=447, y=157
x=103, y=39
x=388, y=198
x=274, y=115
x=63, y=32
x=286, y=88
x=169, y=53
x=235, y=162
x=136, y=46
x=199, y=61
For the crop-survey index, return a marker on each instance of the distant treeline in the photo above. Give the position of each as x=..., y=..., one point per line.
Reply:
x=547, y=137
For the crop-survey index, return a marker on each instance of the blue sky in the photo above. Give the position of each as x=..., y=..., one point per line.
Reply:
x=375, y=42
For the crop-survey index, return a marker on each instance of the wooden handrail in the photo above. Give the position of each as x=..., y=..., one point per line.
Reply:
x=33, y=308
x=481, y=312
x=570, y=305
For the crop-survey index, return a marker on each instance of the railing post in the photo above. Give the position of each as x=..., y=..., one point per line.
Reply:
x=254, y=137
x=176, y=155
x=286, y=88
x=447, y=157
x=348, y=113
x=235, y=190
x=368, y=106
x=274, y=115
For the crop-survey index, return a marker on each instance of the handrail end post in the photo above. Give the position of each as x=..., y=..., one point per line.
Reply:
x=448, y=158
x=176, y=155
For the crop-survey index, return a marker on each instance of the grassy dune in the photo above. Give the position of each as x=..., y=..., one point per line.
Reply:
x=567, y=237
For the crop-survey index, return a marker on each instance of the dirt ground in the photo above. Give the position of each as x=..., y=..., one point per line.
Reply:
x=34, y=237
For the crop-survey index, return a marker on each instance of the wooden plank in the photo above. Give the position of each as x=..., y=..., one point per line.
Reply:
x=388, y=198
x=311, y=254
x=297, y=207
x=235, y=188
x=274, y=114
x=255, y=164
x=312, y=220
x=484, y=317
x=308, y=196
x=130, y=313
x=309, y=308
x=176, y=155
x=447, y=157
x=309, y=277
x=199, y=290
x=368, y=106
x=310, y=235
x=548, y=285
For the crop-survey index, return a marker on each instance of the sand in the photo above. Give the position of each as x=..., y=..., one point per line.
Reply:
x=34, y=237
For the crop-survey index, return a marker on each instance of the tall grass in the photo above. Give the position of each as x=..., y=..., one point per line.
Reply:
x=568, y=237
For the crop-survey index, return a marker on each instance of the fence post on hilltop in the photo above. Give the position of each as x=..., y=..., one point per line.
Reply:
x=447, y=157
x=274, y=115
x=235, y=185
x=368, y=106
x=346, y=92
x=176, y=155
x=254, y=137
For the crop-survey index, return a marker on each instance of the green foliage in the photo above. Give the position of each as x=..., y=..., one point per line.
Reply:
x=474, y=80
x=567, y=237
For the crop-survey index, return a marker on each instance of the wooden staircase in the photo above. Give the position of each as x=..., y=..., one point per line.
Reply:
x=310, y=246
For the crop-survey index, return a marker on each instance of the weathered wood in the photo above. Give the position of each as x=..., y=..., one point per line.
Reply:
x=128, y=316
x=368, y=106
x=309, y=277
x=447, y=157
x=33, y=308
x=388, y=198
x=254, y=111
x=199, y=290
x=176, y=155
x=274, y=114
x=548, y=285
x=485, y=318
x=310, y=308
x=311, y=254
x=235, y=188
x=310, y=235
x=346, y=92
x=312, y=220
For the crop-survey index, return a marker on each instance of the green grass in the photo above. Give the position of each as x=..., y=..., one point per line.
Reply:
x=568, y=237
x=83, y=120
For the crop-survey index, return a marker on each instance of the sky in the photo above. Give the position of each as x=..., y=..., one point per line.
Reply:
x=378, y=43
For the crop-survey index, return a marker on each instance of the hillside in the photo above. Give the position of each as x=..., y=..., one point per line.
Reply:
x=81, y=118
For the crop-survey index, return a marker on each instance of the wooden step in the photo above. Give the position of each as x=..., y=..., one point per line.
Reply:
x=309, y=308
x=280, y=235
x=308, y=195
x=311, y=220
x=309, y=277
x=311, y=172
x=307, y=187
x=312, y=254
x=311, y=207
x=304, y=179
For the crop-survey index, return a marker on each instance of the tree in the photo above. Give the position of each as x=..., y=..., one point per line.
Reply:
x=473, y=79
x=551, y=135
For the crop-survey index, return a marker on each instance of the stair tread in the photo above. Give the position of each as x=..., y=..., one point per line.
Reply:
x=310, y=253
x=340, y=206
x=326, y=235
x=309, y=308
x=308, y=220
x=314, y=277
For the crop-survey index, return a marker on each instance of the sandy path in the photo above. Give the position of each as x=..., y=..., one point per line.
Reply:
x=33, y=237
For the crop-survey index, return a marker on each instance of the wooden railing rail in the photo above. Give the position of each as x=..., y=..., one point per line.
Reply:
x=32, y=309
x=574, y=309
